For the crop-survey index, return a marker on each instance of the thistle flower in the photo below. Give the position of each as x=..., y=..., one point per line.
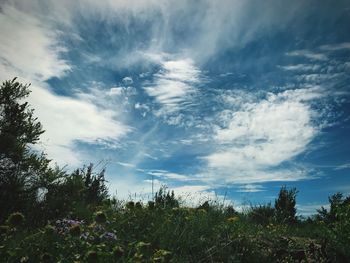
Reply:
x=109, y=236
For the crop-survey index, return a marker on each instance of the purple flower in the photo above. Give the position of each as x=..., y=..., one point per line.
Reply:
x=109, y=236
x=63, y=226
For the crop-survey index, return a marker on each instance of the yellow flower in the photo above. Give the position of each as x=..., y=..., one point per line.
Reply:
x=233, y=219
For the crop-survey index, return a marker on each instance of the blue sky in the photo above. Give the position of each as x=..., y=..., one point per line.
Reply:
x=225, y=99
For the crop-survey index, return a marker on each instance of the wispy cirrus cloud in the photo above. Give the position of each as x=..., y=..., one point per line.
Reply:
x=174, y=84
x=29, y=48
x=68, y=120
x=308, y=54
x=335, y=47
x=32, y=51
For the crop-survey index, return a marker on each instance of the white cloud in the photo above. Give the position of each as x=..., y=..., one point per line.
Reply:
x=310, y=209
x=308, y=54
x=343, y=166
x=302, y=67
x=251, y=188
x=129, y=165
x=335, y=47
x=174, y=84
x=31, y=51
x=250, y=175
x=263, y=135
x=128, y=81
x=28, y=48
x=194, y=195
x=67, y=120
x=166, y=175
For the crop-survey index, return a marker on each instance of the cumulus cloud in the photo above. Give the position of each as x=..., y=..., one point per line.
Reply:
x=263, y=135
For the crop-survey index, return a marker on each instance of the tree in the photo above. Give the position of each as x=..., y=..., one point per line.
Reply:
x=20, y=169
x=165, y=199
x=18, y=126
x=285, y=209
x=337, y=203
x=24, y=174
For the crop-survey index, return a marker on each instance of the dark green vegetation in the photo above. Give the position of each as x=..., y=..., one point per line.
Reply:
x=49, y=215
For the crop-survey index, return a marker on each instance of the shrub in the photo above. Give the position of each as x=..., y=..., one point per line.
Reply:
x=165, y=199
x=262, y=214
x=285, y=210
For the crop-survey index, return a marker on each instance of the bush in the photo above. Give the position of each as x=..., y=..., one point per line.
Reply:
x=165, y=199
x=262, y=214
x=285, y=211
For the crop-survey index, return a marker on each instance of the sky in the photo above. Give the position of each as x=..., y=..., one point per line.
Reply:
x=224, y=100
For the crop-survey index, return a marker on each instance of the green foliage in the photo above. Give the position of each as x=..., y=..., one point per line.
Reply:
x=35, y=188
x=178, y=234
x=337, y=203
x=21, y=171
x=18, y=126
x=285, y=210
x=262, y=214
x=49, y=215
x=165, y=199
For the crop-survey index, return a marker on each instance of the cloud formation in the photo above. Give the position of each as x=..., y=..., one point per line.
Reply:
x=174, y=84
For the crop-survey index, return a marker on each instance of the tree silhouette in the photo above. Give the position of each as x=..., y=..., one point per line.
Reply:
x=285, y=209
x=18, y=126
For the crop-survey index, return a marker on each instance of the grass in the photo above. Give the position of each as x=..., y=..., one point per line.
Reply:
x=148, y=233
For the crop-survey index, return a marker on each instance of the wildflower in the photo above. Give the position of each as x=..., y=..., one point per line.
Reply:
x=86, y=236
x=15, y=219
x=233, y=219
x=24, y=259
x=108, y=236
x=100, y=217
x=75, y=230
x=142, y=244
x=92, y=257
x=161, y=255
x=118, y=251
x=63, y=226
